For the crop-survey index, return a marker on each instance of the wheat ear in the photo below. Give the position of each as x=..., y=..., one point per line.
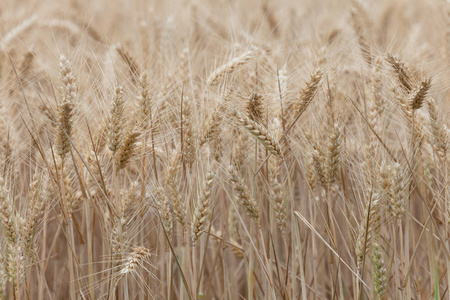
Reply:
x=230, y=66
x=66, y=108
x=260, y=133
x=419, y=94
x=135, y=259
x=202, y=209
x=115, y=121
x=243, y=195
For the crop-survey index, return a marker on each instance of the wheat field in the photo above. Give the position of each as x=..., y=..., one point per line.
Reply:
x=224, y=149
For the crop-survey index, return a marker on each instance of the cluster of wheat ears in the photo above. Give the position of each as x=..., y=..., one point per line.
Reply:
x=224, y=149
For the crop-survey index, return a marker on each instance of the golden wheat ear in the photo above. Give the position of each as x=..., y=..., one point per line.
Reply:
x=203, y=209
x=66, y=107
x=259, y=132
x=243, y=195
x=116, y=121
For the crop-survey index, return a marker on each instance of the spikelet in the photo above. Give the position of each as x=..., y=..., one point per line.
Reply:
x=189, y=136
x=144, y=102
x=282, y=83
x=397, y=202
x=385, y=181
x=127, y=149
x=334, y=150
x=115, y=121
x=229, y=67
x=116, y=233
x=377, y=104
x=202, y=209
x=243, y=196
x=277, y=195
x=238, y=153
x=178, y=204
x=310, y=172
x=439, y=135
x=418, y=95
x=307, y=94
x=15, y=263
x=320, y=167
x=404, y=76
x=6, y=215
x=279, y=205
x=255, y=108
x=66, y=108
x=368, y=228
x=136, y=258
x=68, y=193
x=36, y=204
x=404, y=105
x=260, y=133
x=211, y=128
x=274, y=164
x=165, y=211
x=379, y=271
